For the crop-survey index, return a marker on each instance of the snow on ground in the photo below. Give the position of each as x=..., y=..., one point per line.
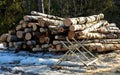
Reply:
x=26, y=63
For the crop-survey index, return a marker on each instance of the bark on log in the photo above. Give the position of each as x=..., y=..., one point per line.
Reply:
x=80, y=26
x=20, y=34
x=3, y=37
x=28, y=36
x=82, y=20
x=92, y=28
x=108, y=47
x=46, y=15
x=46, y=22
x=98, y=36
x=12, y=32
x=101, y=30
x=31, y=18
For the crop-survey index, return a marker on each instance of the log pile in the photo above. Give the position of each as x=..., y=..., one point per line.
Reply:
x=42, y=32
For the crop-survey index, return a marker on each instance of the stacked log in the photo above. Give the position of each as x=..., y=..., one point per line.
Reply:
x=43, y=32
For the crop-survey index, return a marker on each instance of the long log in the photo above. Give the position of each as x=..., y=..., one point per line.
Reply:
x=60, y=37
x=105, y=30
x=47, y=22
x=80, y=26
x=20, y=34
x=93, y=27
x=46, y=15
x=31, y=18
x=82, y=20
x=3, y=37
x=98, y=36
x=108, y=47
x=28, y=36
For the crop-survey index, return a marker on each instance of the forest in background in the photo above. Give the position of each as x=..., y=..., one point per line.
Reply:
x=12, y=11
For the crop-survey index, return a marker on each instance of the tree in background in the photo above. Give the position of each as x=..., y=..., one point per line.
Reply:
x=12, y=11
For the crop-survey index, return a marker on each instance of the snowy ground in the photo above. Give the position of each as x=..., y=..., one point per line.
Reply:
x=25, y=63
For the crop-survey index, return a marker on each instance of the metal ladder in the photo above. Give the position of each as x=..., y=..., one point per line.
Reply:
x=74, y=49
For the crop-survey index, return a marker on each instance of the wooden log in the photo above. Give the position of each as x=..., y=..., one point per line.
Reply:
x=11, y=38
x=82, y=20
x=41, y=39
x=12, y=32
x=47, y=22
x=28, y=30
x=60, y=37
x=45, y=46
x=46, y=15
x=72, y=34
x=62, y=29
x=19, y=27
x=21, y=22
x=47, y=39
x=31, y=18
x=113, y=28
x=31, y=42
x=101, y=30
x=42, y=30
x=28, y=36
x=54, y=50
x=25, y=24
x=3, y=37
x=80, y=26
x=92, y=28
x=110, y=25
x=36, y=49
x=10, y=44
x=108, y=47
x=35, y=26
x=20, y=34
x=98, y=36
x=103, y=41
x=18, y=43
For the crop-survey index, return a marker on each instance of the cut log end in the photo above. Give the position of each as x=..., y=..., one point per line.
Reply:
x=67, y=22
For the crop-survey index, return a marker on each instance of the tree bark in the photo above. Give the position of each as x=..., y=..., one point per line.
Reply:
x=82, y=20
x=46, y=15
